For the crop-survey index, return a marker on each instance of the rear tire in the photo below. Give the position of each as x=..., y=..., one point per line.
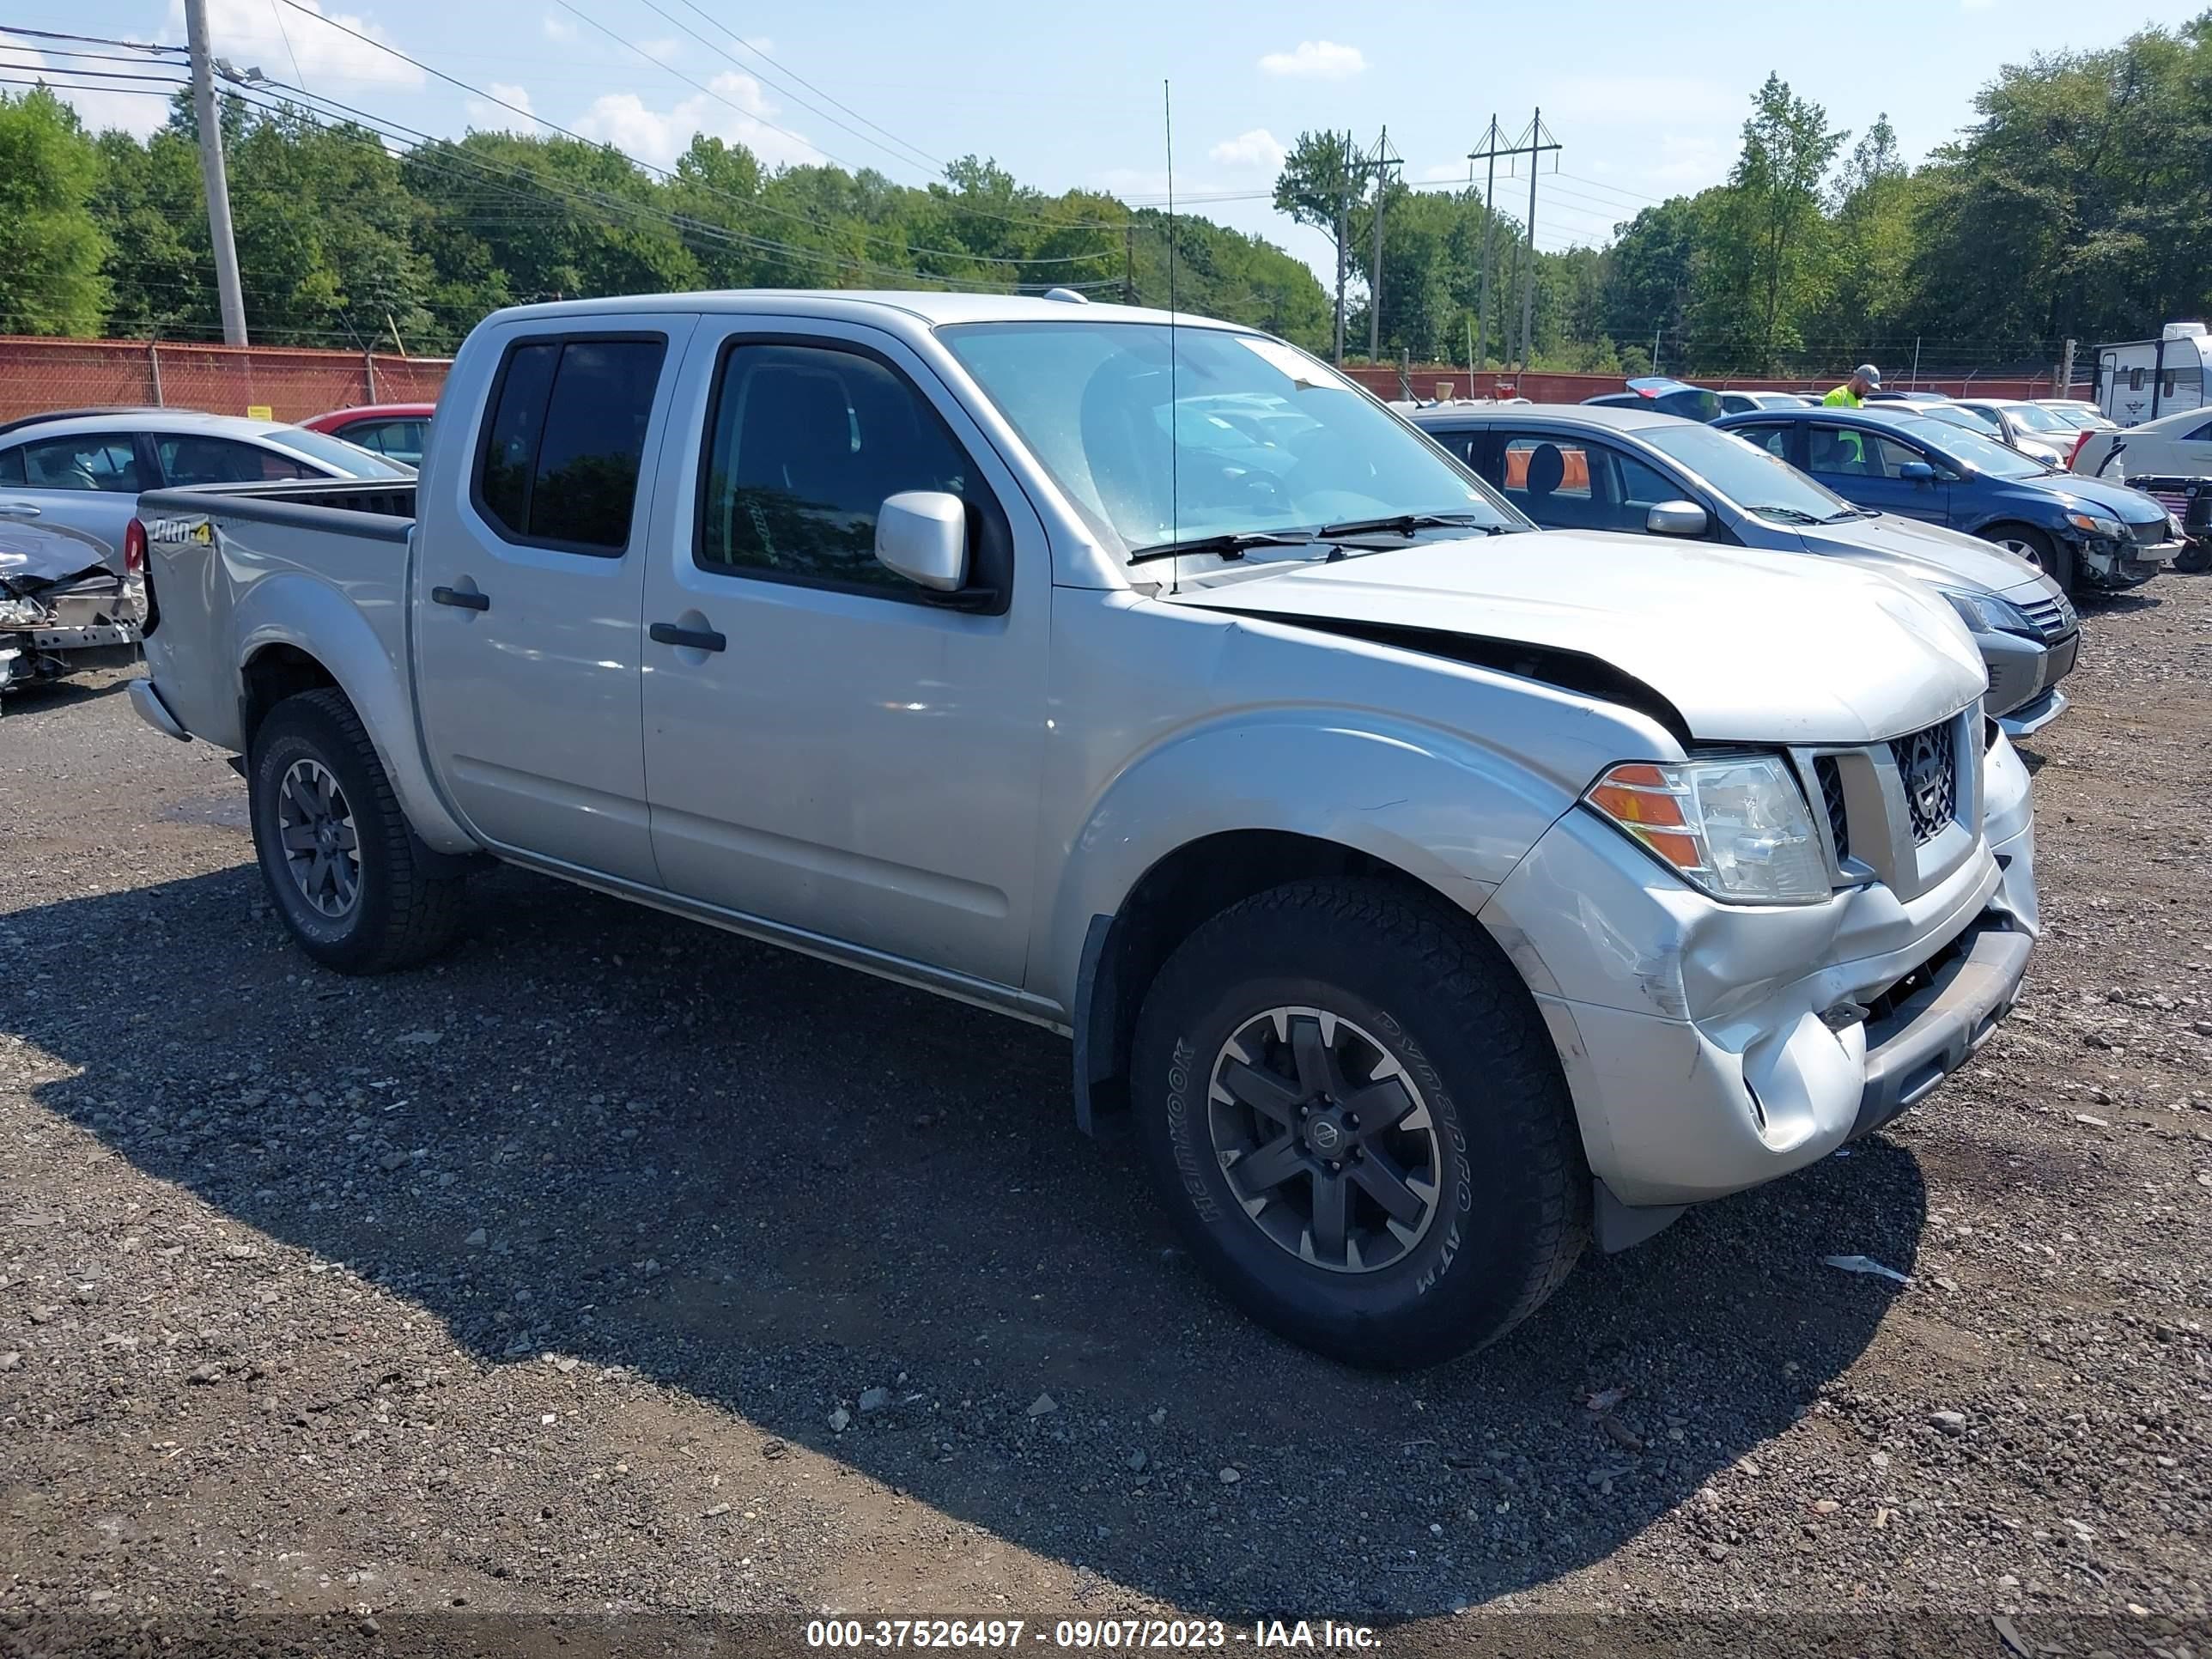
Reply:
x=1319, y=1002
x=343, y=868
x=2048, y=555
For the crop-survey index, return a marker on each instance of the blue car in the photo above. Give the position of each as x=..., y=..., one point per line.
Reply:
x=2082, y=533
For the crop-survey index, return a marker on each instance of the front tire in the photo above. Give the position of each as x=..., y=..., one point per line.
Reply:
x=2048, y=554
x=1356, y=1121
x=343, y=866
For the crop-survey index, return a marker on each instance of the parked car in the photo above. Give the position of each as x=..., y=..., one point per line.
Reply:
x=1670, y=396
x=2029, y=428
x=1427, y=904
x=2082, y=417
x=1734, y=403
x=83, y=469
x=67, y=602
x=2079, y=531
x=395, y=431
x=1640, y=471
x=2178, y=444
x=2139, y=380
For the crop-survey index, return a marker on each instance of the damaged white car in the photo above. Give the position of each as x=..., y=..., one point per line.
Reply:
x=64, y=605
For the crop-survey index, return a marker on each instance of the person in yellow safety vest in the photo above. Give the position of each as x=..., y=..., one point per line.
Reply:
x=1852, y=392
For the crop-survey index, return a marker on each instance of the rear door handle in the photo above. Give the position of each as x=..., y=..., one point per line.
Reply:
x=465, y=601
x=699, y=638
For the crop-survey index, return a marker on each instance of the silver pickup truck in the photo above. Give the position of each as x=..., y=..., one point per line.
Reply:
x=1426, y=902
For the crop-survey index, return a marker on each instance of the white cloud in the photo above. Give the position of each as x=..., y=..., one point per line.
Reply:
x=1694, y=160
x=1439, y=172
x=486, y=116
x=1255, y=149
x=248, y=32
x=559, y=29
x=626, y=121
x=99, y=108
x=1317, y=60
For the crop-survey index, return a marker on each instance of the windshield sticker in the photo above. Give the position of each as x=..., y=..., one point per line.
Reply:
x=1301, y=369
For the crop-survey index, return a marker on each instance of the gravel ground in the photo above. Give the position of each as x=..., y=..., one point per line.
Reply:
x=617, y=1265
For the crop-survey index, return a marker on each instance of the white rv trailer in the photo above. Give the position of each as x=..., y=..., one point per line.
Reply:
x=2138, y=381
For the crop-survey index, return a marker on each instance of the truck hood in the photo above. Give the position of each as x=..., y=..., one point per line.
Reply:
x=1926, y=552
x=1746, y=647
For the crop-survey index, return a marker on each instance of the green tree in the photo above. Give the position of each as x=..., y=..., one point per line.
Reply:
x=1768, y=263
x=51, y=247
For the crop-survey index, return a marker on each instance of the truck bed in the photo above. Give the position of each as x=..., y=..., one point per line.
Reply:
x=234, y=571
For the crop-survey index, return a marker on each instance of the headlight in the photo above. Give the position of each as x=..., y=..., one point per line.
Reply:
x=1990, y=613
x=2094, y=524
x=1738, y=828
x=22, y=613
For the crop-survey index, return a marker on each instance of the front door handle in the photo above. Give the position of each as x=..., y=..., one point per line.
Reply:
x=699, y=638
x=18, y=510
x=460, y=598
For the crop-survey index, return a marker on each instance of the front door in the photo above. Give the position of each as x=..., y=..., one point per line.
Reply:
x=527, y=630
x=1869, y=469
x=827, y=747
x=88, y=481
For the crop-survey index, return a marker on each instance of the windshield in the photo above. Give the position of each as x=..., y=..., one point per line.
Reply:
x=1755, y=479
x=1263, y=437
x=2080, y=419
x=1970, y=420
x=2036, y=419
x=350, y=460
x=1983, y=455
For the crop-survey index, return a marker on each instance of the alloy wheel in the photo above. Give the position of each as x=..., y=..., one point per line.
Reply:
x=1325, y=1140
x=322, y=849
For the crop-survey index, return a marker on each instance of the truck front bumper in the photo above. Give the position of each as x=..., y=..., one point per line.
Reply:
x=1712, y=1047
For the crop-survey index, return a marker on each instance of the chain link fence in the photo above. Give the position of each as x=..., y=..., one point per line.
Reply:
x=280, y=383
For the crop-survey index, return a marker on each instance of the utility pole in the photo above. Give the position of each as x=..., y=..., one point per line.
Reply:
x=211, y=172
x=1380, y=166
x=1532, y=143
x=1489, y=218
x=1129, y=263
x=1536, y=149
x=1343, y=231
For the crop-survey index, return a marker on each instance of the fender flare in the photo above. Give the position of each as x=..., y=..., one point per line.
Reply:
x=321, y=624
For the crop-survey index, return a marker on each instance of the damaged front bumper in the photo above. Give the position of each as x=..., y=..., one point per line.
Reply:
x=66, y=627
x=1712, y=1047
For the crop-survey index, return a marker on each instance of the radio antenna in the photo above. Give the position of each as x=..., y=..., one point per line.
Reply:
x=1174, y=440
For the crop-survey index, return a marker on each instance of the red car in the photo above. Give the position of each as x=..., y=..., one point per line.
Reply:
x=395, y=431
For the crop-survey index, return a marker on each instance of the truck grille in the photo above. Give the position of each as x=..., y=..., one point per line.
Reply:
x=2054, y=618
x=1928, y=766
x=1831, y=798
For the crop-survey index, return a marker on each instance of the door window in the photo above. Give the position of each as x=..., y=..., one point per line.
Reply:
x=396, y=441
x=1839, y=450
x=1773, y=438
x=11, y=466
x=567, y=435
x=803, y=444
x=1597, y=487
x=95, y=461
x=188, y=458
x=1538, y=470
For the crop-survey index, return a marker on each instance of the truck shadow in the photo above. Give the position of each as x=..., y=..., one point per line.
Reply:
x=770, y=1183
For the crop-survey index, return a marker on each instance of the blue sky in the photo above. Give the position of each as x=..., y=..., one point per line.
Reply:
x=1648, y=102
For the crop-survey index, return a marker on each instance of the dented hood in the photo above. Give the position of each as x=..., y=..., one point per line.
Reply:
x=1746, y=647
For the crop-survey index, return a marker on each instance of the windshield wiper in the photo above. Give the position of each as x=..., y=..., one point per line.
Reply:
x=1405, y=524
x=1232, y=545
x=1789, y=515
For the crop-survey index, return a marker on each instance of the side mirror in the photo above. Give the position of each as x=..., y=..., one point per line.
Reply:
x=922, y=535
x=1677, y=518
x=1916, y=473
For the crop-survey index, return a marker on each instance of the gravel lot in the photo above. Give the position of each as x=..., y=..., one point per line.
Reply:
x=618, y=1264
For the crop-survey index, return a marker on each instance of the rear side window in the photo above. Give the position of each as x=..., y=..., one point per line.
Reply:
x=566, y=434
x=11, y=466
x=94, y=461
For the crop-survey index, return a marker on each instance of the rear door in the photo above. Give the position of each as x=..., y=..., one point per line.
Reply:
x=531, y=569
x=87, y=482
x=826, y=747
